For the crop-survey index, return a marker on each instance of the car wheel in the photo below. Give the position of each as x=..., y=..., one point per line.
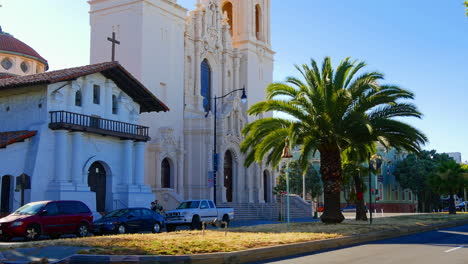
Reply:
x=156, y=228
x=225, y=219
x=83, y=230
x=33, y=232
x=170, y=228
x=121, y=229
x=196, y=224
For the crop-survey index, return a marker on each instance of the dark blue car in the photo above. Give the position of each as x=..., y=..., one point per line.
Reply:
x=129, y=220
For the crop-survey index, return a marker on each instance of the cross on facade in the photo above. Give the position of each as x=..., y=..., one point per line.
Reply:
x=114, y=41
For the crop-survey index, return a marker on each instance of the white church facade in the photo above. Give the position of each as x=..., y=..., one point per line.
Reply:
x=187, y=59
x=71, y=134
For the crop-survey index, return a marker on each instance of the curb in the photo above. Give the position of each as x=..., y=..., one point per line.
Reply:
x=260, y=254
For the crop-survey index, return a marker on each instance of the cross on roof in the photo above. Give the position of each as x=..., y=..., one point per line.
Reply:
x=114, y=41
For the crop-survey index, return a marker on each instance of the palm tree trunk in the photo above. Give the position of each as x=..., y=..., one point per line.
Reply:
x=360, y=207
x=452, y=209
x=330, y=170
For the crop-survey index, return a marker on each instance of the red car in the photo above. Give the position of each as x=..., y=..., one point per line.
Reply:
x=53, y=218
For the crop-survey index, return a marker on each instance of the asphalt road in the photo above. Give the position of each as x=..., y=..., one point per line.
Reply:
x=445, y=246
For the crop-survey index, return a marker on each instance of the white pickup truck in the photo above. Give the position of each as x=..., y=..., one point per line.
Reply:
x=194, y=212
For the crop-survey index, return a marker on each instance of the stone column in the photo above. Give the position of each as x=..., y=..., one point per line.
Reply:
x=180, y=175
x=127, y=158
x=61, y=156
x=140, y=163
x=77, y=162
x=251, y=182
x=157, y=173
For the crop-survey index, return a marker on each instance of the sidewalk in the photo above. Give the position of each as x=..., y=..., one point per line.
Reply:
x=35, y=255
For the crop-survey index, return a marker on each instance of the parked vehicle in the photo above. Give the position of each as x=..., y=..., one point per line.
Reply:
x=129, y=220
x=194, y=212
x=460, y=207
x=53, y=218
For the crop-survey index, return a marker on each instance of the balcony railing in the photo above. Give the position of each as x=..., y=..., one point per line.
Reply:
x=96, y=125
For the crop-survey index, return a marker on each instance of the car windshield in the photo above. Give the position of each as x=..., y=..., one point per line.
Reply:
x=29, y=209
x=189, y=205
x=117, y=213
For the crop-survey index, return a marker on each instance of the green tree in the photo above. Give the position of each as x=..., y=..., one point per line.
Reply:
x=313, y=185
x=448, y=179
x=466, y=6
x=413, y=173
x=331, y=110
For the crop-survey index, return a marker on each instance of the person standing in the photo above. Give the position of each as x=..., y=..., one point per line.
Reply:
x=157, y=207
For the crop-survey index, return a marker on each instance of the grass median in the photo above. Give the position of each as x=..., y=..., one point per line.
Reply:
x=212, y=241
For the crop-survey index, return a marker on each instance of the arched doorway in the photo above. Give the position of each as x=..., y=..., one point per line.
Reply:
x=266, y=186
x=6, y=194
x=228, y=172
x=166, y=173
x=97, y=183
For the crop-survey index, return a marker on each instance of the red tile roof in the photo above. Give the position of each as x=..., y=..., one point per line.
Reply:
x=8, y=138
x=10, y=44
x=112, y=70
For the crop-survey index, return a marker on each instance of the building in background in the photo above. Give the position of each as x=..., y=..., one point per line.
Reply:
x=455, y=156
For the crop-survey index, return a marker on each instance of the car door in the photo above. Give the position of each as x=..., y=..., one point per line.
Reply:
x=67, y=212
x=148, y=219
x=50, y=219
x=207, y=213
x=134, y=220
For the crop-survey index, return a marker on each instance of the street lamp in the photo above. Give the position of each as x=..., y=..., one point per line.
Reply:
x=287, y=157
x=215, y=153
x=375, y=162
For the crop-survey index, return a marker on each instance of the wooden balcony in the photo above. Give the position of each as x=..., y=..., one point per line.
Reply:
x=96, y=125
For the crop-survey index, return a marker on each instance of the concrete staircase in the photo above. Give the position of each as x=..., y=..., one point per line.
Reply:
x=270, y=211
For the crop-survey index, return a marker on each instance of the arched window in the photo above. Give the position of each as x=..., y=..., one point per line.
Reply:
x=227, y=8
x=115, y=105
x=78, y=98
x=166, y=173
x=206, y=85
x=258, y=17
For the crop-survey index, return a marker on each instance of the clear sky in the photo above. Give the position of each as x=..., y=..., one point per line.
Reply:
x=421, y=45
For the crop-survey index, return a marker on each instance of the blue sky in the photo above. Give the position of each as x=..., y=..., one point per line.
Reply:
x=421, y=45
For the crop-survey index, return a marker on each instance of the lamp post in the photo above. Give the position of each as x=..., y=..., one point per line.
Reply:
x=374, y=164
x=287, y=157
x=215, y=152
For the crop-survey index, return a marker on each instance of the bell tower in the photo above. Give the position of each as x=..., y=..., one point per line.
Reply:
x=251, y=34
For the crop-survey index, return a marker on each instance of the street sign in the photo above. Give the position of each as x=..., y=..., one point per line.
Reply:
x=210, y=179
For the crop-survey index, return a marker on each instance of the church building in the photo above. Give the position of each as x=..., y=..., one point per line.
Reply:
x=71, y=134
x=188, y=58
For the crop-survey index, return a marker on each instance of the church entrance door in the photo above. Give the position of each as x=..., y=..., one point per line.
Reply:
x=228, y=176
x=97, y=183
x=6, y=194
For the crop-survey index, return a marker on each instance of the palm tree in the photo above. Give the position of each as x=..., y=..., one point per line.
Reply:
x=449, y=179
x=353, y=159
x=330, y=111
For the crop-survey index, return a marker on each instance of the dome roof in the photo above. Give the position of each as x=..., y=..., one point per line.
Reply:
x=9, y=44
